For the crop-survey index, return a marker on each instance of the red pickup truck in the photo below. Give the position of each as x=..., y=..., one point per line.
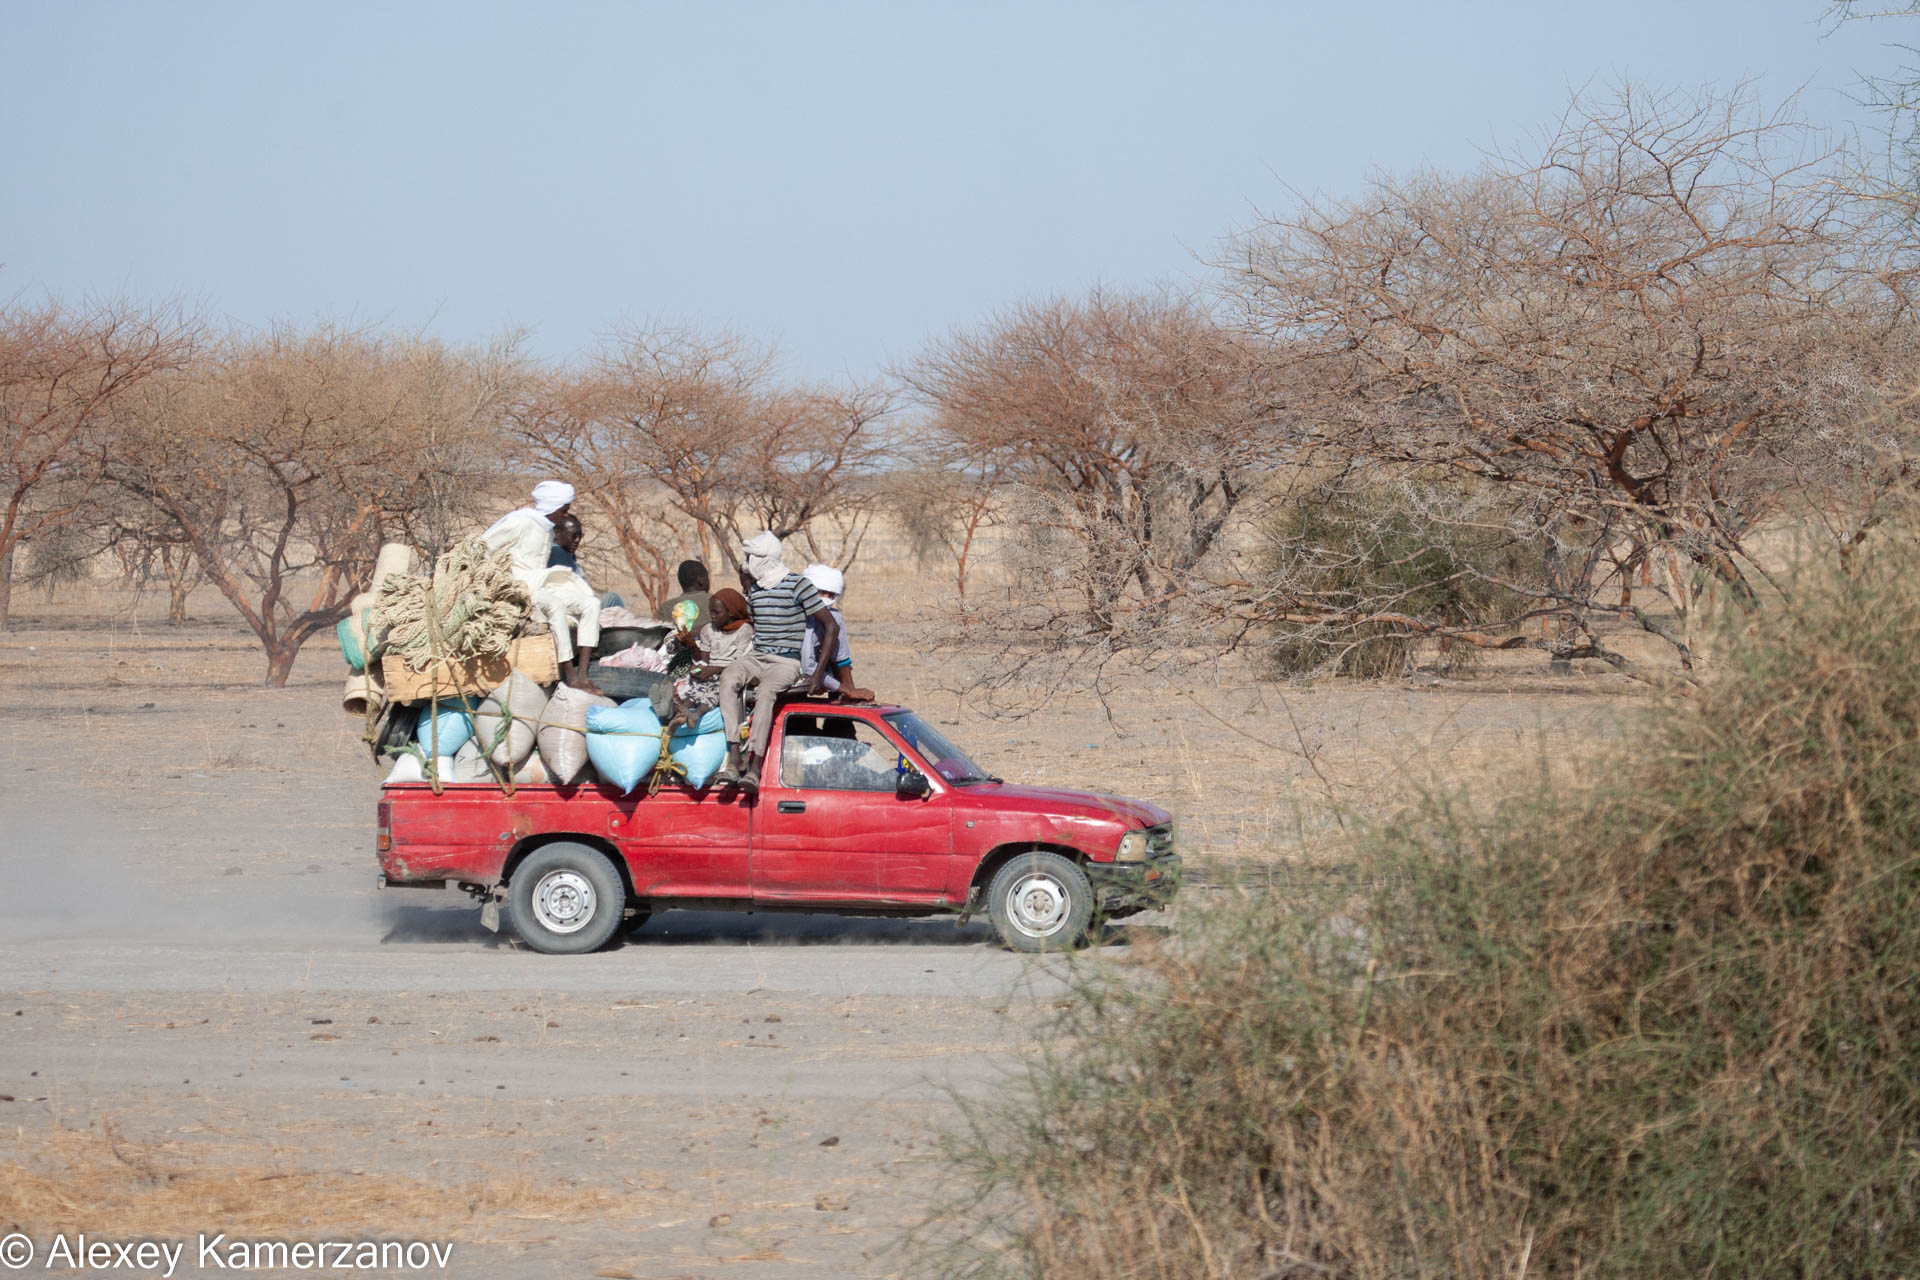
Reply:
x=870, y=811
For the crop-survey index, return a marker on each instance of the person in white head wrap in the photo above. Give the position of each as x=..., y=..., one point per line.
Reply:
x=528, y=533
x=762, y=560
x=551, y=497
x=529, y=530
x=781, y=603
x=831, y=584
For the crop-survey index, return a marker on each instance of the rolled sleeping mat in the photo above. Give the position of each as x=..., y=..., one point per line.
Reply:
x=352, y=633
x=363, y=696
x=394, y=557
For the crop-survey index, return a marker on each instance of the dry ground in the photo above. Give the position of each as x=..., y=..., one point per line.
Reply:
x=221, y=1025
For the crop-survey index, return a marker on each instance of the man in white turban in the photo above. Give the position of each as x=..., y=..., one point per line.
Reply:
x=528, y=533
x=781, y=602
x=529, y=530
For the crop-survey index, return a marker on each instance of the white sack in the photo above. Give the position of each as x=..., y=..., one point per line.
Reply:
x=522, y=698
x=469, y=764
x=563, y=736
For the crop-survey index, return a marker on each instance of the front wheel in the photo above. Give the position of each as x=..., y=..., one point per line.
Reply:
x=566, y=899
x=1040, y=902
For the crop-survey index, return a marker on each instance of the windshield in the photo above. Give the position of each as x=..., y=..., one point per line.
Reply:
x=949, y=761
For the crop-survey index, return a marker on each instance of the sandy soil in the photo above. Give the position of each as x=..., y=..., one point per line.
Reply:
x=201, y=964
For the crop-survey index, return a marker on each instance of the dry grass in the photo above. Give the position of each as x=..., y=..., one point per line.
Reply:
x=92, y=1177
x=1659, y=1024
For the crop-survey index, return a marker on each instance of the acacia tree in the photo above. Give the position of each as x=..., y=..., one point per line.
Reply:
x=149, y=541
x=682, y=440
x=1895, y=96
x=795, y=458
x=285, y=460
x=947, y=504
x=1625, y=344
x=452, y=407
x=61, y=371
x=565, y=427
x=732, y=447
x=1129, y=431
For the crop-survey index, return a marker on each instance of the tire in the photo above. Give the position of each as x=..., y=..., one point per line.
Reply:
x=1040, y=902
x=566, y=899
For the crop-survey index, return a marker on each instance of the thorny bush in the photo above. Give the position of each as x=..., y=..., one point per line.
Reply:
x=1376, y=572
x=1661, y=1024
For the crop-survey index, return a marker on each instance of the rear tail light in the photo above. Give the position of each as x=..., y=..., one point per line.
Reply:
x=383, y=828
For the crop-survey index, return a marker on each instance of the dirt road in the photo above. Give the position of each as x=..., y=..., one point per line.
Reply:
x=754, y=1094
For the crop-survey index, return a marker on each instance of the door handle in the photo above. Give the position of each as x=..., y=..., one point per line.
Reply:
x=792, y=806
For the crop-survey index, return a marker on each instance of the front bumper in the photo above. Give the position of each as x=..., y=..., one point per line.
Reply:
x=1122, y=888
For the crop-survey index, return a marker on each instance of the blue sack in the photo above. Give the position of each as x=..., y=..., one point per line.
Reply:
x=623, y=742
x=454, y=725
x=701, y=749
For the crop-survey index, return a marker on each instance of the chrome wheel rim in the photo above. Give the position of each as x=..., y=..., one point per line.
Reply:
x=1037, y=904
x=563, y=901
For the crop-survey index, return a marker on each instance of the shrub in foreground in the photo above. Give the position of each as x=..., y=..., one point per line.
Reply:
x=1665, y=1025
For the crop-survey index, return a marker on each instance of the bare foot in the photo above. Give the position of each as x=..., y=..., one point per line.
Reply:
x=585, y=685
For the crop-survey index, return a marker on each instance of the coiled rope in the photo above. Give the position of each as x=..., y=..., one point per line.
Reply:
x=472, y=607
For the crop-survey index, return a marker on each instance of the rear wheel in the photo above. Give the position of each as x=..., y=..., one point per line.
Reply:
x=1040, y=902
x=566, y=899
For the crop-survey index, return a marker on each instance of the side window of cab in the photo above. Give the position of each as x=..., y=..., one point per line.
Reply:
x=837, y=753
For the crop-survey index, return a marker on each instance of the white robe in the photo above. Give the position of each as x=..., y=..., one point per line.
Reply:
x=563, y=595
x=530, y=536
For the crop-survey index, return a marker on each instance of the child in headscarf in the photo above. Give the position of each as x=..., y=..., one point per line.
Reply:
x=726, y=637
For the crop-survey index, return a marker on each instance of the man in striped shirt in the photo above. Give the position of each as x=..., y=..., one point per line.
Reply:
x=780, y=601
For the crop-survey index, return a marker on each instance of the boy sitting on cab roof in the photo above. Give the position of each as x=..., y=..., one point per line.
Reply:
x=831, y=584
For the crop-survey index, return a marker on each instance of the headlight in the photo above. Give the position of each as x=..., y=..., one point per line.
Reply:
x=1133, y=847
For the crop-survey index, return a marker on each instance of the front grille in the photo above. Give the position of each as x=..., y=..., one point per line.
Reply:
x=1160, y=840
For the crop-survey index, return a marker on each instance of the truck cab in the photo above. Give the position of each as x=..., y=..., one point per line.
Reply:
x=861, y=810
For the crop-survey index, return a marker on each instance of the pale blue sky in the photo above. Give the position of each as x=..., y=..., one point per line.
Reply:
x=848, y=178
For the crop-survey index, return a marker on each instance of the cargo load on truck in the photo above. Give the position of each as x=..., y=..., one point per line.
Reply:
x=457, y=678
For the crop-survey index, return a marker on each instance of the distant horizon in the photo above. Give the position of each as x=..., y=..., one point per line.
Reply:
x=845, y=181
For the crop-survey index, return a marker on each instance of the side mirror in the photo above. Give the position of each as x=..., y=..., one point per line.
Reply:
x=912, y=785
